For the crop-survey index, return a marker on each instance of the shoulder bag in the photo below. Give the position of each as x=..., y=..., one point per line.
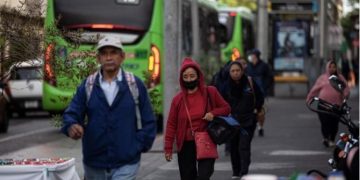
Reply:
x=205, y=147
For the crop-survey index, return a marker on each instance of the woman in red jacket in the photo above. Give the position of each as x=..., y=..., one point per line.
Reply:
x=195, y=94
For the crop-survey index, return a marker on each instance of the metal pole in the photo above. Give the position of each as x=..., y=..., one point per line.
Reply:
x=195, y=29
x=172, y=36
x=262, y=29
x=322, y=24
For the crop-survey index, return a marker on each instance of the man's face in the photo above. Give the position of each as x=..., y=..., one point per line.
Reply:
x=110, y=58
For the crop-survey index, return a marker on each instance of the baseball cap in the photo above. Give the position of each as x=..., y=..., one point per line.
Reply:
x=256, y=52
x=109, y=40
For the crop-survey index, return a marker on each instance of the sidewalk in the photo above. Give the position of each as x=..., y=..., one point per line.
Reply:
x=292, y=144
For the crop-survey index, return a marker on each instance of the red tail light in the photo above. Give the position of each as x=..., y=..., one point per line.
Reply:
x=232, y=13
x=49, y=75
x=154, y=65
x=104, y=26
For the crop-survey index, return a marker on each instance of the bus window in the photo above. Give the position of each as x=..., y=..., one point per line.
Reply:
x=110, y=17
x=247, y=34
x=227, y=19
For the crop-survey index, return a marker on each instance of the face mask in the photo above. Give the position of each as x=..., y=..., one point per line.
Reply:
x=250, y=59
x=191, y=84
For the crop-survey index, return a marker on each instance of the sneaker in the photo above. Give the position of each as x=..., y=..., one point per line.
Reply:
x=325, y=142
x=261, y=132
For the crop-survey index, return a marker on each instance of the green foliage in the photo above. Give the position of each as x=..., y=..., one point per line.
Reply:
x=56, y=120
x=251, y=4
x=154, y=94
x=348, y=24
x=21, y=35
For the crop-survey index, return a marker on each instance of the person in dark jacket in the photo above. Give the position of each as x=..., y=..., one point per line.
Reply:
x=203, y=103
x=245, y=99
x=262, y=75
x=112, y=142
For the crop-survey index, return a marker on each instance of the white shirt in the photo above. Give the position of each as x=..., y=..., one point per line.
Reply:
x=110, y=89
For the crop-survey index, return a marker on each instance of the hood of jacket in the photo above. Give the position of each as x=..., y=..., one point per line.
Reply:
x=328, y=68
x=188, y=62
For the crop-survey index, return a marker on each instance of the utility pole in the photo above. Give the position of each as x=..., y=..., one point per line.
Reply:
x=195, y=29
x=323, y=30
x=262, y=29
x=172, y=44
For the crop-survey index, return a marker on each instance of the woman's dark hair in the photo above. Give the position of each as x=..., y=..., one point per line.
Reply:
x=332, y=62
x=237, y=62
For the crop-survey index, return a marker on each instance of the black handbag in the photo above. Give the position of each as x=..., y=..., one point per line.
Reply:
x=222, y=128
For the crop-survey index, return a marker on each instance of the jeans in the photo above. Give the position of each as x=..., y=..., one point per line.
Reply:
x=126, y=172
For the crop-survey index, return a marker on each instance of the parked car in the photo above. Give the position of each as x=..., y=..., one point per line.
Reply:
x=4, y=115
x=25, y=87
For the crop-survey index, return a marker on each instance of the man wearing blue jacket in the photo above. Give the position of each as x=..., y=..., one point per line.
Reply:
x=111, y=137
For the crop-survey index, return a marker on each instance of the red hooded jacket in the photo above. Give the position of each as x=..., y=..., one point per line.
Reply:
x=177, y=121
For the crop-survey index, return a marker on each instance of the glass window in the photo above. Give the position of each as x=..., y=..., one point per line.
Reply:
x=228, y=21
x=27, y=73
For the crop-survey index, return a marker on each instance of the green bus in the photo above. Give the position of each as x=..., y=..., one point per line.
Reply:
x=239, y=22
x=72, y=29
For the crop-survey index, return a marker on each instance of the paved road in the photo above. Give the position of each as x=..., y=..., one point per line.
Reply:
x=292, y=143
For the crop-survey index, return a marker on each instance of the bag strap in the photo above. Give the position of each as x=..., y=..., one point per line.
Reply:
x=89, y=84
x=189, y=117
x=130, y=78
x=252, y=88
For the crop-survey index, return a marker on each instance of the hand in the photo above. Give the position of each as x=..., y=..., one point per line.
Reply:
x=208, y=116
x=168, y=157
x=76, y=131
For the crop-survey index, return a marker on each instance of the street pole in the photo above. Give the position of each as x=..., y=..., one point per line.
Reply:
x=172, y=37
x=262, y=29
x=322, y=28
x=195, y=29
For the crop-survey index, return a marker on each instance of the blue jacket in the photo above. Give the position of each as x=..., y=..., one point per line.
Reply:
x=111, y=138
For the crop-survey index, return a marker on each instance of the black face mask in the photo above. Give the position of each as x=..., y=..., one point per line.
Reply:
x=191, y=84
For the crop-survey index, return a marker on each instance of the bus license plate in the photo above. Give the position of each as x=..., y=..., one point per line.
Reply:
x=31, y=104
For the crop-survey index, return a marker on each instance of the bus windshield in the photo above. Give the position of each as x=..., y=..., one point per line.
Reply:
x=129, y=17
x=228, y=20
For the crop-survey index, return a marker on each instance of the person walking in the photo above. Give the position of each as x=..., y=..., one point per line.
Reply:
x=245, y=99
x=262, y=75
x=203, y=103
x=112, y=140
x=323, y=90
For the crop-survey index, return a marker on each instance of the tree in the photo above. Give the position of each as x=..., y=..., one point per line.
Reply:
x=20, y=34
x=251, y=4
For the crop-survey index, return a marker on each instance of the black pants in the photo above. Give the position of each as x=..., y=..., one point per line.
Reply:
x=187, y=164
x=329, y=126
x=241, y=150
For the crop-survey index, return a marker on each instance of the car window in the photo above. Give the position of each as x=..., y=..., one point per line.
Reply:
x=27, y=73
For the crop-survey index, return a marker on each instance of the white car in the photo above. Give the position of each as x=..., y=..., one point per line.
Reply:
x=25, y=86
